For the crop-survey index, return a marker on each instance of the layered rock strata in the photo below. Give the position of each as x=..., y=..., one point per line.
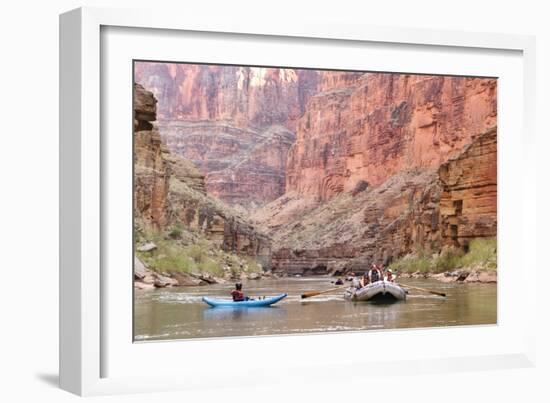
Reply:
x=246, y=96
x=192, y=207
x=169, y=190
x=350, y=231
x=384, y=165
x=243, y=167
x=469, y=193
x=372, y=127
x=380, y=165
x=421, y=209
x=151, y=171
x=235, y=123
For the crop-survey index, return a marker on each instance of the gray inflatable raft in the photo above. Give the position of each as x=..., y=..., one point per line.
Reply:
x=377, y=291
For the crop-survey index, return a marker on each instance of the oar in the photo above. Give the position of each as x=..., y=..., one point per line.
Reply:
x=442, y=294
x=314, y=293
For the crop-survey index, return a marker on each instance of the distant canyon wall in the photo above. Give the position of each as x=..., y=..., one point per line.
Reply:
x=170, y=191
x=369, y=127
x=385, y=165
x=339, y=168
x=245, y=96
x=422, y=209
x=236, y=124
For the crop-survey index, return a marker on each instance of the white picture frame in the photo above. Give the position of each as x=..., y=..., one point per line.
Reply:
x=84, y=304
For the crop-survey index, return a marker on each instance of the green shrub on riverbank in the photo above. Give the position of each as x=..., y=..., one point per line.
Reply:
x=413, y=263
x=176, y=251
x=482, y=253
x=176, y=262
x=251, y=265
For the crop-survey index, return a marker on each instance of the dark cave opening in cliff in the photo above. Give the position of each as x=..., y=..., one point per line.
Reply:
x=454, y=234
x=457, y=204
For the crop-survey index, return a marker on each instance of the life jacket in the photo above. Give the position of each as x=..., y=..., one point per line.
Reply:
x=374, y=275
x=237, y=295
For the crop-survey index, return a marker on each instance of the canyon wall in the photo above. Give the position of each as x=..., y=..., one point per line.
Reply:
x=350, y=231
x=170, y=191
x=244, y=167
x=339, y=169
x=385, y=165
x=469, y=192
x=234, y=123
x=421, y=209
x=245, y=96
x=368, y=128
x=191, y=207
x=151, y=171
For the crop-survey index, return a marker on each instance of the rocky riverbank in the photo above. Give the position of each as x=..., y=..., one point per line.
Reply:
x=148, y=279
x=474, y=275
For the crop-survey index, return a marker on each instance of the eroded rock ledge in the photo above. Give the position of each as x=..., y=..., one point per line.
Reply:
x=427, y=209
x=171, y=191
x=235, y=123
x=147, y=279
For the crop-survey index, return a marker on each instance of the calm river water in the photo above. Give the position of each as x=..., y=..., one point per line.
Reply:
x=179, y=313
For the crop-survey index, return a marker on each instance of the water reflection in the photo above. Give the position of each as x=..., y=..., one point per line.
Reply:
x=179, y=312
x=241, y=313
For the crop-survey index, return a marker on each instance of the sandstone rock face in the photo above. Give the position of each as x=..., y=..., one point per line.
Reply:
x=337, y=80
x=383, y=165
x=469, y=192
x=372, y=127
x=255, y=176
x=243, y=167
x=246, y=96
x=339, y=169
x=169, y=190
x=234, y=123
x=349, y=232
x=191, y=206
x=416, y=209
x=151, y=170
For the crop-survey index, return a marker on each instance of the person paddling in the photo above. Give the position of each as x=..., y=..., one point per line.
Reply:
x=238, y=294
x=374, y=274
x=358, y=282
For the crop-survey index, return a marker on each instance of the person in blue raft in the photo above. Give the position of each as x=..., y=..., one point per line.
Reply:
x=238, y=294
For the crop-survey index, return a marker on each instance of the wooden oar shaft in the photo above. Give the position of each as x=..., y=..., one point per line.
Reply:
x=442, y=294
x=314, y=293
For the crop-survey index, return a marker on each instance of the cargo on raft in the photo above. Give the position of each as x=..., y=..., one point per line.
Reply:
x=379, y=291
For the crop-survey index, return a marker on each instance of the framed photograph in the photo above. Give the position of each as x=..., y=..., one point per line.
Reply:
x=232, y=188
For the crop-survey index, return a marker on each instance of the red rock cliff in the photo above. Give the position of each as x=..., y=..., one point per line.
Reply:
x=384, y=165
x=169, y=190
x=151, y=171
x=469, y=192
x=369, y=128
x=235, y=123
x=245, y=96
x=426, y=209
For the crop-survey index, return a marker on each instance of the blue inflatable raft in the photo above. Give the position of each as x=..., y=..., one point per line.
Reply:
x=243, y=304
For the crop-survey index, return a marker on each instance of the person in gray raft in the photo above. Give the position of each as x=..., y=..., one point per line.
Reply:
x=373, y=287
x=375, y=273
